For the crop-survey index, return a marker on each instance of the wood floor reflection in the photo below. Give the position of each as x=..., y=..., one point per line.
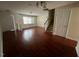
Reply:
x=35, y=42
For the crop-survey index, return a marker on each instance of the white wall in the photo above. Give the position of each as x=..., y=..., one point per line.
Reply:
x=41, y=20
x=6, y=21
x=73, y=27
x=19, y=21
x=38, y=21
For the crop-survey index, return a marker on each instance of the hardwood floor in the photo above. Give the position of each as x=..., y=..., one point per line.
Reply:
x=35, y=42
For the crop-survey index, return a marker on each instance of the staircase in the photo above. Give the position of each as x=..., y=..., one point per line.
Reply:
x=50, y=28
x=50, y=21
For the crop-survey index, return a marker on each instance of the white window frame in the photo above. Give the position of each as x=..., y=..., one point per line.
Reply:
x=28, y=20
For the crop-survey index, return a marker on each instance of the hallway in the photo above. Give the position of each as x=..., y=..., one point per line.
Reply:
x=35, y=42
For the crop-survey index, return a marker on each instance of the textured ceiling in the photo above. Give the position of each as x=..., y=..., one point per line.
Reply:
x=29, y=7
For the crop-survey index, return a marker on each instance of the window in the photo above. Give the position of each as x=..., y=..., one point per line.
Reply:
x=27, y=20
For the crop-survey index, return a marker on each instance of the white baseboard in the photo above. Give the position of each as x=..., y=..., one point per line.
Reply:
x=77, y=47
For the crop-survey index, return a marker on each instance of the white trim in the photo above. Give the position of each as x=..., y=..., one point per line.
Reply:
x=77, y=48
x=68, y=24
x=1, y=43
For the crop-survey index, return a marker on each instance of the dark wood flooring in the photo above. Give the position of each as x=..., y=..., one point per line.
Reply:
x=35, y=42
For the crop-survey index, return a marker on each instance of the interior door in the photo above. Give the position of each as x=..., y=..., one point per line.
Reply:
x=61, y=21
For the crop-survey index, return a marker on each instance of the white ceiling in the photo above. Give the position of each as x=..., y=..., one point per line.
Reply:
x=29, y=7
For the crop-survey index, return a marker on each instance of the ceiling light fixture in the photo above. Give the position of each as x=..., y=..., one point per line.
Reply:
x=42, y=5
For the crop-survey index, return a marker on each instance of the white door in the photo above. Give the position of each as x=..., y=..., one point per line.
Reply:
x=61, y=21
